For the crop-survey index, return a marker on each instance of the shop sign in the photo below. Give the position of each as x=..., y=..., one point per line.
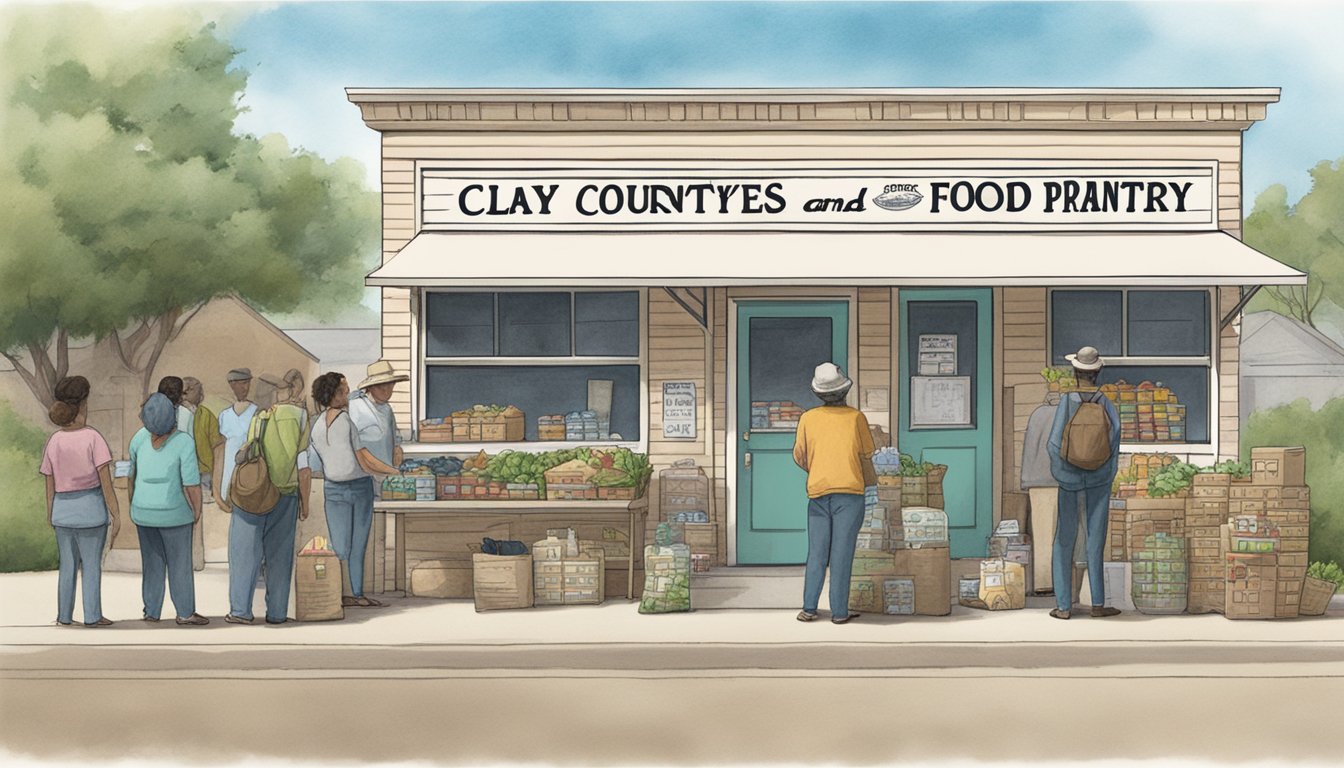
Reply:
x=679, y=410
x=1035, y=196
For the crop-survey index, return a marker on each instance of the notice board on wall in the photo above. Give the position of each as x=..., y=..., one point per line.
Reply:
x=679, y=410
x=940, y=401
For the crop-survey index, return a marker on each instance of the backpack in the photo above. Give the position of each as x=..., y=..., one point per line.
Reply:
x=1087, y=436
x=251, y=489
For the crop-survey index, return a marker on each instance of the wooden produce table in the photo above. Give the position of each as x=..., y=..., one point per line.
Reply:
x=505, y=518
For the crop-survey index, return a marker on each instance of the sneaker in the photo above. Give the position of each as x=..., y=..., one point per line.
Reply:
x=1058, y=614
x=150, y=619
x=230, y=618
x=1101, y=611
x=805, y=616
x=844, y=619
x=194, y=620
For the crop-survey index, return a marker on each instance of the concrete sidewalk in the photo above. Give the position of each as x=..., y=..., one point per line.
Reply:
x=412, y=632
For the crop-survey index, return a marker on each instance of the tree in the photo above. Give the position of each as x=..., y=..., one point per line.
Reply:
x=1308, y=235
x=134, y=200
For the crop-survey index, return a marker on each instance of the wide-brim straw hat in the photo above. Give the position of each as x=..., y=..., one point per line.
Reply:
x=1086, y=359
x=382, y=372
x=828, y=378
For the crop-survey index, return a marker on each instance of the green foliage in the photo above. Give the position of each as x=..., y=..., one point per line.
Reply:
x=1308, y=235
x=912, y=468
x=130, y=199
x=1321, y=432
x=1233, y=468
x=27, y=543
x=1327, y=572
x=1171, y=479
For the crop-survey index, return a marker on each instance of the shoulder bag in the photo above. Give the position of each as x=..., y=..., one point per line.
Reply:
x=251, y=489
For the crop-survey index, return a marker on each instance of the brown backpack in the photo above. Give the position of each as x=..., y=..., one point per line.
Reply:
x=1087, y=436
x=251, y=489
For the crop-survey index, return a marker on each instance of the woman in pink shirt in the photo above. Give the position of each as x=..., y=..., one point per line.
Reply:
x=80, y=501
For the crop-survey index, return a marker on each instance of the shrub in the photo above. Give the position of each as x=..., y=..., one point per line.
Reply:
x=1322, y=434
x=27, y=543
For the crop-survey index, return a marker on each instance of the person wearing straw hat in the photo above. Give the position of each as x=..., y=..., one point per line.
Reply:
x=834, y=446
x=1085, y=474
x=372, y=414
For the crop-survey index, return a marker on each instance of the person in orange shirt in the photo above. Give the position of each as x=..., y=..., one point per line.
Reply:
x=835, y=448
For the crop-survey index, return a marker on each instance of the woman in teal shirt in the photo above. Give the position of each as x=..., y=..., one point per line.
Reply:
x=165, y=504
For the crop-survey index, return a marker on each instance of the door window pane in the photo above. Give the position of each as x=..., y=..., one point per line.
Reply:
x=1085, y=319
x=606, y=323
x=957, y=319
x=534, y=324
x=460, y=324
x=537, y=390
x=1168, y=323
x=1175, y=410
x=784, y=354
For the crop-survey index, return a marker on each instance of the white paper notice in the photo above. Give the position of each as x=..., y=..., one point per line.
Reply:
x=679, y=410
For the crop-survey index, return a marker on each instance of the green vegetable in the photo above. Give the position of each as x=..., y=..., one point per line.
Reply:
x=1327, y=572
x=1171, y=479
x=1233, y=468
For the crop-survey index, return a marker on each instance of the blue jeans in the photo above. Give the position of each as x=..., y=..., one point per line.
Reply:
x=1098, y=501
x=81, y=549
x=166, y=552
x=349, y=508
x=254, y=539
x=833, y=523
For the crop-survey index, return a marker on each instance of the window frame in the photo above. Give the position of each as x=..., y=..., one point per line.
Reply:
x=424, y=362
x=1209, y=361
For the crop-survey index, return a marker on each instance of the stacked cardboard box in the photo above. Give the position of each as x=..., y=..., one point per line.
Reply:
x=775, y=414
x=563, y=577
x=1009, y=543
x=1134, y=518
x=1282, y=473
x=1252, y=583
x=894, y=546
x=875, y=531
x=1206, y=509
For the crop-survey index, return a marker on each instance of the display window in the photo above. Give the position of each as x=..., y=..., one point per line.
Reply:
x=1157, y=345
x=547, y=365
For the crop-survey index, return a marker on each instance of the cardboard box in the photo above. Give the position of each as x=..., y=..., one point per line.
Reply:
x=501, y=581
x=1003, y=585
x=1280, y=466
x=442, y=579
x=1251, y=585
x=1119, y=587
x=869, y=563
x=931, y=569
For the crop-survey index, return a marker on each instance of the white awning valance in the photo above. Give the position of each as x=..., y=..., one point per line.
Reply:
x=474, y=259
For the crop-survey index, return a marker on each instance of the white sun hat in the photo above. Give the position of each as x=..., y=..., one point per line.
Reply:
x=828, y=378
x=1086, y=359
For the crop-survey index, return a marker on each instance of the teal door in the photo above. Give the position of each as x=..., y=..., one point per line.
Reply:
x=946, y=382
x=779, y=344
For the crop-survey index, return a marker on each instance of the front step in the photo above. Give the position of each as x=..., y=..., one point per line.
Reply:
x=750, y=587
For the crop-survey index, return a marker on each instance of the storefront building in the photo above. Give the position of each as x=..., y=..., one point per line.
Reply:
x=679, y=261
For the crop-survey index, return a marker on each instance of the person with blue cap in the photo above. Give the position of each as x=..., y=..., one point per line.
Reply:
x=165, y=495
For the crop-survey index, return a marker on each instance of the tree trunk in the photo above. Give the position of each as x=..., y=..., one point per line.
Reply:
x=42, y=378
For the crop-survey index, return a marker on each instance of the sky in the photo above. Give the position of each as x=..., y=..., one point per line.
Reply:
x=303, y=55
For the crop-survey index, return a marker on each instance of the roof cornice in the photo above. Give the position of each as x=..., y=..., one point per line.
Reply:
x=770, y=109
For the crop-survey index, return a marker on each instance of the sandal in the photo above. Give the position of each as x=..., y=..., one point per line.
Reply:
x=1058, y=614
x=367, y=602
x=102, y=622
x=805, y=616
x=348, y=601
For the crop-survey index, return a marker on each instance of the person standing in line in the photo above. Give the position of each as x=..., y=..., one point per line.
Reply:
x=1084, y=448
x=267, y=538
x=372, y=413
x=165, y=490
x=81, y=505
x=233, y=425
x=348, y=468
x=203, y=425
x=172, y=388
x=834, y=445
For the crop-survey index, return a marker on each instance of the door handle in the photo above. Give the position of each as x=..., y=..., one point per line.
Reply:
x=746, y=435
x=746, y=460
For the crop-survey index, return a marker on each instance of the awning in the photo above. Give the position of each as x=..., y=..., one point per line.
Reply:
x=816, y=258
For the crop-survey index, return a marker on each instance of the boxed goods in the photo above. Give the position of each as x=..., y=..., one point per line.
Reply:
x=1003, y=585
x=1251, y=584
x=551, y=427
x=683, y=493
x=317, y=583
x=399, y=488
x=667, y=579
x=1159, y=575
x=570, y=480
x=701, y=563
x=776, y=414
x=865, y=593
x=923, y=527
x=1279, y=466
x=488, y=424
x=931, y=568
x=898, y=596
x=873, y=562
x=438, y=430
x=968, y=593
x=501, y=581
x=567, y=572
